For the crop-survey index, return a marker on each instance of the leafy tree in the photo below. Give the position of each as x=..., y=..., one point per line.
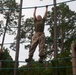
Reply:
x=66, y=20
x=10, y=12
x=66, y=28
x=7, y=63
x=27, y=29
x=10, y=8
x=65, y=63
x=35, y=68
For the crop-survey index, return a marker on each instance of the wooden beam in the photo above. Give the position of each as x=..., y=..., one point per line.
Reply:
x=73, y=47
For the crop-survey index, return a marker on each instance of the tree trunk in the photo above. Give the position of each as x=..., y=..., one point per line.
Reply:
x=73, y=47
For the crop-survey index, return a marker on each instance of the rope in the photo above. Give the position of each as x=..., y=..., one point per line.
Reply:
x=37, y=68
x=37, y=6
x=12, y=43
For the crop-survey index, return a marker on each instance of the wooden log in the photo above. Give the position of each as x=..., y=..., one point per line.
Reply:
x=73, y=47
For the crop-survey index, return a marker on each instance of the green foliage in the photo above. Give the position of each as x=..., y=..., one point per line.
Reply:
x=35, y=68
x=66, y=26
x=27, y=31
x=13, y=12
x=10, y=12
x=65, y=61
x=6, y=63
x=62, y=64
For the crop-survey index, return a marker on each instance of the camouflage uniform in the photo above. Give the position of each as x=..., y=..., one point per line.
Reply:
x=38, y=38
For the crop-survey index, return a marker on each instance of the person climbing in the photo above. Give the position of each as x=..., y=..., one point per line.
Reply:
x=38, y=37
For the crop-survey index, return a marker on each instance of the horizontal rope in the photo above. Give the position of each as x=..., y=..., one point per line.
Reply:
x=15, y=43
x=37, y=6
x=37, y=68
x=48, y=5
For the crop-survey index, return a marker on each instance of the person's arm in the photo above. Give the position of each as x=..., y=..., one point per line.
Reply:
x=45, y=15
x=35, y=13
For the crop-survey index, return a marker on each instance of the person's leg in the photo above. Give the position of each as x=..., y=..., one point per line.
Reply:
x=42, y=47
x=33, y=47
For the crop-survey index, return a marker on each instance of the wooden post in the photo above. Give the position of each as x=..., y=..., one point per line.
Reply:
x=18, y=41
x=0, y=56
x=55, y=36
x=1, y=53
x=73, y=47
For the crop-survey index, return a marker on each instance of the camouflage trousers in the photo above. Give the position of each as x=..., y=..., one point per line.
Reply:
x=38, y=38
